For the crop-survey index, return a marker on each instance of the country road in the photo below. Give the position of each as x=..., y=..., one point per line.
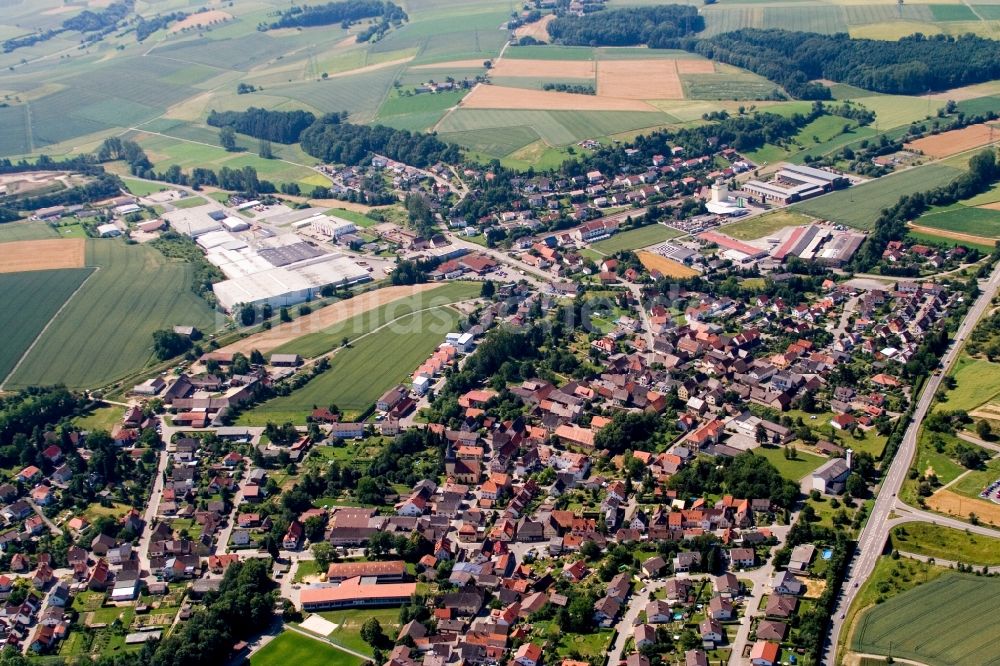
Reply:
x=871, y=541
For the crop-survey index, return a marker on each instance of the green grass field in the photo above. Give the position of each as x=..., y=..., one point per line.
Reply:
x=932, y=239
x=976, y=481
x=361, y=373
x=636, y=238
x=944, y=543
x=803, y=464
x=142, y=188
x=105, y=332
x=859, y=206
x=294, y=648
x=320, y=342
x=30, y=301
x=766, y=224
x=978, y=381
x=912, y=624
x=22, y=231
x=348, y=631
x=976, y=221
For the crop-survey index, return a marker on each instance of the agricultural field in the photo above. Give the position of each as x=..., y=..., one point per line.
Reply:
x=981, y=222
x=105, y=331
x=31, y=300
x=944, y=543
x=359, y=374
x=766, y=224
x=26, y=231
x=909, y=625
x=636, y=238
x=858, y=206
x=499, y=132
x=320, y=342
x=294, y=648
x=947, y=144
x=667, y=267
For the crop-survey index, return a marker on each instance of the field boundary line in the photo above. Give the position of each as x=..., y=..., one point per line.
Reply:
x=303, y=632
x=45, y=328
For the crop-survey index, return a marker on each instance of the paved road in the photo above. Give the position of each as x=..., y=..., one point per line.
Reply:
x=636, y=603
x=45, y=519
x=149, y=515
x=972, y=439
x=908, y=513
x=761, y=579
x=872, y=539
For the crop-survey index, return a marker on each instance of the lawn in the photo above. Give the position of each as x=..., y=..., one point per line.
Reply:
x=766, y=224
x=360, y=219
x=975, y=481
x=30, y=300
x=348, y=631
x=294, y=648
x=102, y=418
x=912, y=625
x=636, y=238
x=858, y=206
x=978, y=382
x=141, y=188
x=321, y=342
x=944, y=543
x=305, y=569
x=802, y=465
x=361, y=373
x=105, y=332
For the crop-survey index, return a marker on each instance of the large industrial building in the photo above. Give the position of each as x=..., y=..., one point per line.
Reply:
x=280, y=271
x=795, y=182
x=823, y=244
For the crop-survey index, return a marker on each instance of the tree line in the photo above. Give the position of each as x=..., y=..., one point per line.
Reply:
x=913, y=65
x=345, y=13
x=333, y=140
x=657, y=26
x=280, y=126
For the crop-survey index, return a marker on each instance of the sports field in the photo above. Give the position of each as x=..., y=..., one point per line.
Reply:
x=950, y=620
x=364, y=371
x=30, y=301
x=860, y=205
x=105, y=331
x=294, y=648
x=636, y=238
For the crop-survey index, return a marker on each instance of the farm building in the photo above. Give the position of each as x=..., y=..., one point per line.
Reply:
x=108, y=230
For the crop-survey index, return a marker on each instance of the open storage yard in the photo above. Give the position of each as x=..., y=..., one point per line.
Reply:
x=912, y=626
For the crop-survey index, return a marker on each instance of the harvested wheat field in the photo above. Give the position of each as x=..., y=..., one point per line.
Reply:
x=956, y=141
x=953, y=504
x=695, y=66
x=667, y=267
x=202, y=19
x=538, y=30
x=503, y=97
x=265, y=341
x=42, y=255
x=567, y=69
x=955, y=235
x=639, y=79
